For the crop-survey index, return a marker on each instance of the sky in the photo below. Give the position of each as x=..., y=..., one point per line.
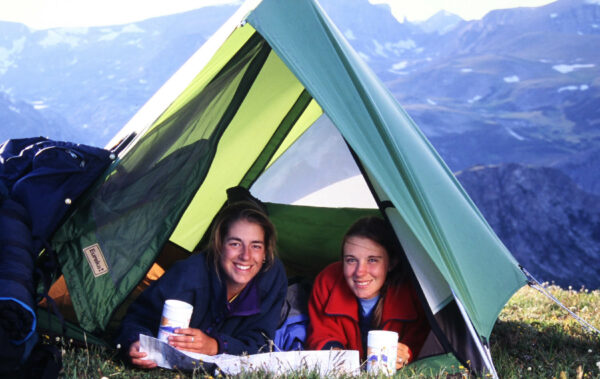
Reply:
x=43, y=14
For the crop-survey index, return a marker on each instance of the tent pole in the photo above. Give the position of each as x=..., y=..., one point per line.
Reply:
x=483, y=348
x=534, y=283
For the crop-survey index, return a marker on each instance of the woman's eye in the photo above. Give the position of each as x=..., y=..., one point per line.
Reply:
x=350, y=260
x=234, y=244
x=257, y=247
x=373, y=260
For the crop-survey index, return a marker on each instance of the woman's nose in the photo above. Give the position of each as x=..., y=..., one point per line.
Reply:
x=361, y=268
x=245, y=252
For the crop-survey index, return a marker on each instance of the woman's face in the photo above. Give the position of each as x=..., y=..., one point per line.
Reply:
x=243, y=254
x=366, y=264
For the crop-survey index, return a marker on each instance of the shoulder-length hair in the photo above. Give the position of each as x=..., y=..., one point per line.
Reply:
x=378, y=230
x=241, y=210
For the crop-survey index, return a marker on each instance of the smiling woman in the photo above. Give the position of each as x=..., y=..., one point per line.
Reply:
x=367, y=290
x=242, y=243
x=237, y=288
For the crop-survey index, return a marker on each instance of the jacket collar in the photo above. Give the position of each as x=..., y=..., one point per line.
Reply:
x=248, y=301
x=342, y=301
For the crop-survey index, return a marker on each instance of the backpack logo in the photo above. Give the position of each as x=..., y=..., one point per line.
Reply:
x=96, y=260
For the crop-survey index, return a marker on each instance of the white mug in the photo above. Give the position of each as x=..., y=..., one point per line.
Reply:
x=176, y=315
x=382, y=349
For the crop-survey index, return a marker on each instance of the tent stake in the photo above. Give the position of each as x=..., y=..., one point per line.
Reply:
x=534, y=283
x=483, y=348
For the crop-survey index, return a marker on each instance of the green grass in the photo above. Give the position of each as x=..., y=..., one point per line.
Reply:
x=533, y=338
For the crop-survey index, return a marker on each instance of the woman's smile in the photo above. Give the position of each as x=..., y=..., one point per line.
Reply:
x=366, y=264
x=243, y=254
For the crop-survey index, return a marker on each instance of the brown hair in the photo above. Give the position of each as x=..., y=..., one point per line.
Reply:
x=241, y=210
x=378, y=230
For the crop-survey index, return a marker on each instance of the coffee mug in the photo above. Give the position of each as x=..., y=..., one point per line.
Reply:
x=382, y=349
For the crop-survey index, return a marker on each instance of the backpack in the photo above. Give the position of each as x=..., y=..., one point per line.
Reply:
x=40, y=181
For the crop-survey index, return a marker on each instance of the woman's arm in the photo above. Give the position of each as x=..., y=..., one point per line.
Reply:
x=144, y=314
x=323, y=332
x=143, y=317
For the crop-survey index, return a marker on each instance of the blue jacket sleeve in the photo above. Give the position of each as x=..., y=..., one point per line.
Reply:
x=143, y=315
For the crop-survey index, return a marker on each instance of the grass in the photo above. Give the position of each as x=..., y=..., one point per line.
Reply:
x=533, y=338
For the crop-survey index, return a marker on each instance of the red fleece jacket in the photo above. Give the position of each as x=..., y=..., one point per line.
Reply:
x=333, y=312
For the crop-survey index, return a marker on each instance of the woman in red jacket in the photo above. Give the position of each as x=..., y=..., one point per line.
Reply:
x=367, y=290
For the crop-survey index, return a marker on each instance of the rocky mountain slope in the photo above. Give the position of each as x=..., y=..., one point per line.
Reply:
x=550, y=225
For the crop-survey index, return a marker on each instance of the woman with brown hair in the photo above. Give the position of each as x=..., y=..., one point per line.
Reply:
x=237, y=288
x=367, y=290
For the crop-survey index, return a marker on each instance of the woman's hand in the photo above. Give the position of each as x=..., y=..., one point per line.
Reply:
x=194, y=340
x=403, y=356
x=137, y=357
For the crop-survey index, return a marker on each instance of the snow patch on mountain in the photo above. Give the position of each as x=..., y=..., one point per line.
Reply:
x=132, y=28
x=61, y=36
x=583, y=87
x=395, y=48
x=379, y=49
x=515, y=134
x=6, y=55
x=110, y=34
x=39, y=104
x=474, y=99
x=402, y=45
x=399, y=65
x=566, y=68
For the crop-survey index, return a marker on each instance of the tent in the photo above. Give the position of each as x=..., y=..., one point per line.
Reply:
x=272, y=71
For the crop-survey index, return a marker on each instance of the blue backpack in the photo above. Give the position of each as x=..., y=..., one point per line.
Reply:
x=40, y=181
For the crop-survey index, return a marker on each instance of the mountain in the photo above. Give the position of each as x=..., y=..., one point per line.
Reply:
x=97, y=78
x=22, y=119
x=549, y=224
x=583, y=168
x=520, y=85
x=441, y=23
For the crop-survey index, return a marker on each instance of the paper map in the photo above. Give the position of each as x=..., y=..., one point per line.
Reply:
x=325, y=363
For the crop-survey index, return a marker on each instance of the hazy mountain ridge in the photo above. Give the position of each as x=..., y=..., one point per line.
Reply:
x=19, y=115
x=512, y=80
x=97, y=78
x=442, y=22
